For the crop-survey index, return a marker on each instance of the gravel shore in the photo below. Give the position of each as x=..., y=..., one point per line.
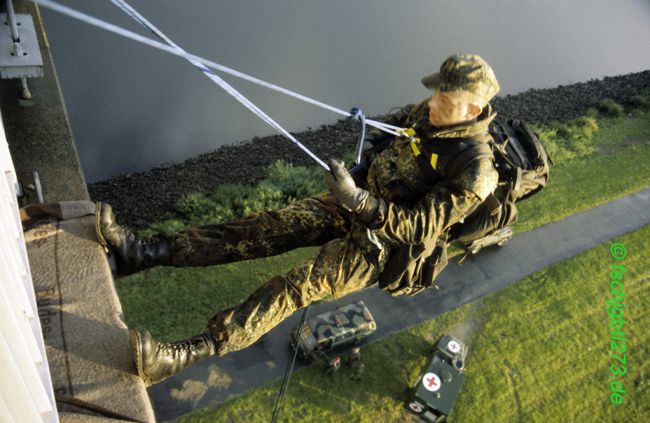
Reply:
x=141, y=198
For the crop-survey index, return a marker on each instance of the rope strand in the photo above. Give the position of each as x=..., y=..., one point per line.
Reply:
x=216, y=79
x=277, y=409
x=391, y=129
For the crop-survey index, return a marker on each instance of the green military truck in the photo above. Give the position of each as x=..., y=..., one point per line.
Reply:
x=436, y=390
x=334, y=332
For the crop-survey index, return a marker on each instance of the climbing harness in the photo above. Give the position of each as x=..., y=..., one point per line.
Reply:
x=204, y=66
x=415, y=146
x=446, y=160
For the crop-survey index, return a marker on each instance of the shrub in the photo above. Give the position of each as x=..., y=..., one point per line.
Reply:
x=611, y=108
x=592, y=111
x=294, y=182
x=565, y=141
x=199, y=209
x=284, y=184
x=166, y=225
x=229, y=202
x=640, y=101
x=260, y=198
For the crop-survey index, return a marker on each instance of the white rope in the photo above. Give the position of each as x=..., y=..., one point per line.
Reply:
x=395, y=130
x=223, y=84
x=144, y=22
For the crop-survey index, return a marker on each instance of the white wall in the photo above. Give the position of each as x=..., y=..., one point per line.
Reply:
x=26, y=393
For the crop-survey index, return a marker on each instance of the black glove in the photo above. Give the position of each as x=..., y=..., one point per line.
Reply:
x=346, y=191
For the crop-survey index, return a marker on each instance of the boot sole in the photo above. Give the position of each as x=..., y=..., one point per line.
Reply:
x=136, y=347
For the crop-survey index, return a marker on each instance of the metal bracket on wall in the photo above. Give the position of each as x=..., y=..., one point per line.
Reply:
x=31, y=190
x=20, y=55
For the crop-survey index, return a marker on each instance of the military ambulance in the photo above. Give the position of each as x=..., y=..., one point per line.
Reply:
x=334, y=331
x=436, y=390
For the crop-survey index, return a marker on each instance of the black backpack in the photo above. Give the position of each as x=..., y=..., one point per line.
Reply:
x=523, y=166
x=520, y=157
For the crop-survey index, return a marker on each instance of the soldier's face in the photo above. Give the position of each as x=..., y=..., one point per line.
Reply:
x=451, y=108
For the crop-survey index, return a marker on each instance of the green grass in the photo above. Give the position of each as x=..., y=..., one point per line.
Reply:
x=619, y=166
x=539, y=351
x=175, y=303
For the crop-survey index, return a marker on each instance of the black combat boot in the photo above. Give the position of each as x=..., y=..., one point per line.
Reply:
x=131, y=254
x=156, y=361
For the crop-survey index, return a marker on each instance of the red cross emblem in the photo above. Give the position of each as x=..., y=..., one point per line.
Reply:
x=431, y=382
x=453, y=346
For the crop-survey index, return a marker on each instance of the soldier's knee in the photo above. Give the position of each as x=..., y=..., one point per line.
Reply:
x=222, y=326
x=303, y=286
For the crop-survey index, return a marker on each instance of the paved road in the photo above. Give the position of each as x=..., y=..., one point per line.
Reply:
x=489, y=271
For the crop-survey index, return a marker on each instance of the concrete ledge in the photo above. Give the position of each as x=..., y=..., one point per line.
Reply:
x=86, y=340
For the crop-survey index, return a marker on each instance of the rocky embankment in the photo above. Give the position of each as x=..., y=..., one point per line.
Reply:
x=140, y=198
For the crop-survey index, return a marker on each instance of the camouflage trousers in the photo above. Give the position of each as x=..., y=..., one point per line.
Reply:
x=349, y=259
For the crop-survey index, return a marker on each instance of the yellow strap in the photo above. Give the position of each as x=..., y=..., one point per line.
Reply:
x=416, y=150
x=434, y=160
x=410, y=133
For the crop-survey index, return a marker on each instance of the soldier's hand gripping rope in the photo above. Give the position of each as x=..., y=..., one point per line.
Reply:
x=345, y=190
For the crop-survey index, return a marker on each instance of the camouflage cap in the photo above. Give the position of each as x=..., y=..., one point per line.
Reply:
x=467, y=72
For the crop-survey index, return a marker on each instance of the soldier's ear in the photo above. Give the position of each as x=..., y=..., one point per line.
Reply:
x=473, y=111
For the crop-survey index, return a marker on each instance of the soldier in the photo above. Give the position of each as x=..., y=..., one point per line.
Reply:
x=356, y=365
x=333, y=365
x=329, y=364
x=397, y=212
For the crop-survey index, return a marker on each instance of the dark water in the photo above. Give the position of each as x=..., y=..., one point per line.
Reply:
x=132, y=107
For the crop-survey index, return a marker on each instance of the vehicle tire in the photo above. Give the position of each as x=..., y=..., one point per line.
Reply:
x=416, y=407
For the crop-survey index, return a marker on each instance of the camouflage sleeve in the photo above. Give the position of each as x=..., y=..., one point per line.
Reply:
x=447, y=203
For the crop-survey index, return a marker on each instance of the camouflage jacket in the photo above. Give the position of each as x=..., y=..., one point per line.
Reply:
x=412, y=214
